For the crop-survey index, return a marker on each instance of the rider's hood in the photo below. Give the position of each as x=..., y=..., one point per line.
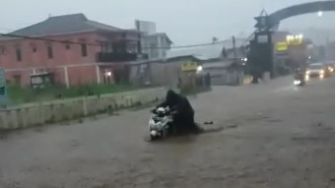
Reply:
x=172, y=97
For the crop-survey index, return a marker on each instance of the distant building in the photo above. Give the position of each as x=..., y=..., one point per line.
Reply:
x=220, y=59
x=216, y=59
x=67, y=50
x=154, y=45
x=216, y=50
x=290, y=51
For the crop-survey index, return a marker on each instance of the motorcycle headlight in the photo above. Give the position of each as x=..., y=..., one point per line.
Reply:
x=153, y=133
x=297, y=82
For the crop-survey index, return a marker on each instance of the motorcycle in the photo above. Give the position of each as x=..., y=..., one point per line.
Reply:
x=299, y=80
x=160, y=123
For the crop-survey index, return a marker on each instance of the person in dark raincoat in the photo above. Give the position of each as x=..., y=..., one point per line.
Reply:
x=183, y=112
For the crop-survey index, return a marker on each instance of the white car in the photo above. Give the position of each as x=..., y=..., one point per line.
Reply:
x=315, y=70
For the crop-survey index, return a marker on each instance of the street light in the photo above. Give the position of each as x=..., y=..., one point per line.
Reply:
x=108, y=74
x=319, y=13
x=289, y=38
x=199, y=69
x=300, y=36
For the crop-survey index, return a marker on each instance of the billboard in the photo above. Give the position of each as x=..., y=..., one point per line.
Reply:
x=281, y=46
x=146, y=27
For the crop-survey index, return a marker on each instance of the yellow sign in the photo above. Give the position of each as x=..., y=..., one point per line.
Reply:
x=189, y=66
x=281, y=46
x=294, y=40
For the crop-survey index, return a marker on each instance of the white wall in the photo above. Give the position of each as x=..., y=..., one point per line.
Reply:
x=62, y=110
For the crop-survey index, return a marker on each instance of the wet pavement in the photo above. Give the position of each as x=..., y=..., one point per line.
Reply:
x=275, y=135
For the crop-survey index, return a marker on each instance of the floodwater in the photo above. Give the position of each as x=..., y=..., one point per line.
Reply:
x=274, y=135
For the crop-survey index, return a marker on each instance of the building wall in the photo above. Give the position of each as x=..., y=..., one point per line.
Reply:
x=156, y=73
x=108, y=42
x=155, y=46
x=166, y=74
x=34, y=58
x=61, y=55
x=225, y=76
x=164, y=45
x=222, y=73
x=82, y=75
x=140, y=74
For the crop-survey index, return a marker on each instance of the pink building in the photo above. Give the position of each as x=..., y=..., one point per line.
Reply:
x=67, y=50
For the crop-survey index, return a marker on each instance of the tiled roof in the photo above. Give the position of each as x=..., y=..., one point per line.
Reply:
x=66, y=24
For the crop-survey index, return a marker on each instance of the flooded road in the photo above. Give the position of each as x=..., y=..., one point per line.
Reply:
x=275, y=135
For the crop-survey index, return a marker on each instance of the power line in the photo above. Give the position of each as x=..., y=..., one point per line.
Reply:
x=95, y=44
x=46, y=39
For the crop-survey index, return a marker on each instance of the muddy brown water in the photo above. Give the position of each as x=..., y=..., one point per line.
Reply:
x=274, y=135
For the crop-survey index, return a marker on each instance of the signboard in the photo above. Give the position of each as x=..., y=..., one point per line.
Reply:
x=3, y=92
x=189, y=66
x=281, y=46
x=262, y=39
x=294, y=40
x=146, y=27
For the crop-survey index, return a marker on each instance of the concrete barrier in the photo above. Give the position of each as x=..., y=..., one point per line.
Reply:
x=62, y=110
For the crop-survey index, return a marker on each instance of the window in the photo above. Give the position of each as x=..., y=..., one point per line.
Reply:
x=109, y=47
x=18, y=54
x=103, y=46
x=84, y=50
x=34, y=48
x=106, y=47
x=2, y=90
x=67, y=46
x=50, y=52
x=2, y=50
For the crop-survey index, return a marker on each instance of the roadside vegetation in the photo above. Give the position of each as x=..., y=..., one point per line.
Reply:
x=20, y=95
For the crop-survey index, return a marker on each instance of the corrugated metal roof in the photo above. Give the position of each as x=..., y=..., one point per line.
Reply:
x=218, y=64
x=205, y=52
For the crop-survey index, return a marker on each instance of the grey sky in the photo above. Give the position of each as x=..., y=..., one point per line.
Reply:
x=185, y=21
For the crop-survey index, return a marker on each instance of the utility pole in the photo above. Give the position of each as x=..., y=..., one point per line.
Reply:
x=137, y=25
x=3, y=88
x=234, y=48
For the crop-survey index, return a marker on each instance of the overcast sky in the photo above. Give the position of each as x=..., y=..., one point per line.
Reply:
x=185, y=21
